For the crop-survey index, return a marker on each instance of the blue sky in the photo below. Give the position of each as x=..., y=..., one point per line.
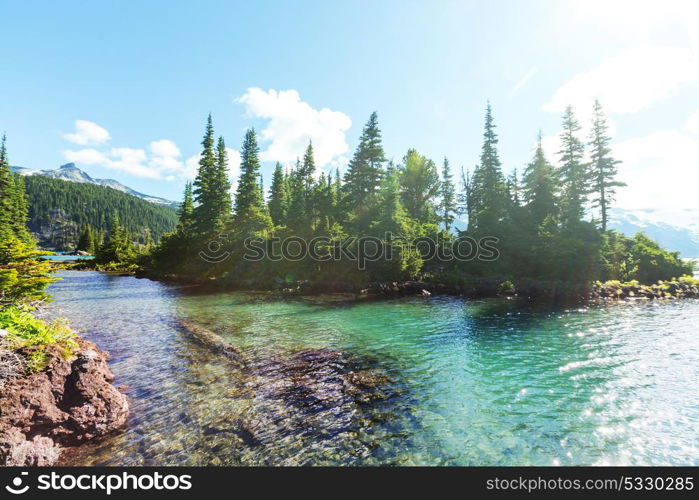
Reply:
x=140, y=77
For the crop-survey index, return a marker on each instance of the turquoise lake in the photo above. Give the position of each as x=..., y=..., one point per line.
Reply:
x=487, y=382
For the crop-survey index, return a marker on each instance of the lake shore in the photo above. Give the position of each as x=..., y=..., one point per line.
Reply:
x=68, y=403
x=475, y=288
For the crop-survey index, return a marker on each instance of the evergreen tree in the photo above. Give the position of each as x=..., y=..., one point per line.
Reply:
x=539, y=186
x=603, y=170
x=279, y=196
x=221, y=187
x=419, y=184
x=513, y=188
x=20, y=211
x=448, y=197
x=118, y=248
x=309, y=167
x=13, y=201
x=297, y=216
x=392, y=215
x=488, y=190
x=307, y=172
x=248, y=193
x=465, y=197
x=573, y=173
x=324, y=203
x=86, y=240
x=363, y=175
x=7, y=193
x=186, y=212
x=250, y=213
x=205, y=211
x=394, y=224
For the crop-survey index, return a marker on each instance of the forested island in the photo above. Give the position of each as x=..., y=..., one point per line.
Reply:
x=546, y=229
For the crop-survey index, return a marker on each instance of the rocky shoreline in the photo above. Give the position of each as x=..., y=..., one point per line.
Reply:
x=65, y=405
x=477, y=288
x=665, y=290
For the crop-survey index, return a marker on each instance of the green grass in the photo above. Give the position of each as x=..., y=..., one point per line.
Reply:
x=26, y=331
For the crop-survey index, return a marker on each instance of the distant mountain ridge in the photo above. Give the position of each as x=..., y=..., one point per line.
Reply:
x=69, y=172
x=676, y=238
x=683, y=238
x=60, y=209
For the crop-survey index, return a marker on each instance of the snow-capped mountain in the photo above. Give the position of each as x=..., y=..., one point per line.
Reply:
x=678, y=236
x=69, y=172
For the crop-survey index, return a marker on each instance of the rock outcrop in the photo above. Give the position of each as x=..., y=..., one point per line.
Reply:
x=66, y=404
x=615, y=290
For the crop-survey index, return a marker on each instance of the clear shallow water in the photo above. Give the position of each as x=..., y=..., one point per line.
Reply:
x=67, y=257
x=477, y=382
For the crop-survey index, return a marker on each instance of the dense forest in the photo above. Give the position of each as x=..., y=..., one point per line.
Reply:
x=547, y=226
x=61, y=211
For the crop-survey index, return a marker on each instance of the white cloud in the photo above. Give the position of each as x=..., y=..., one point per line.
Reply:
x=661, y=170
x=628, y=82
x=162, y=159
x=293, y=122
x=161, y=163
x=693, y=123
x=87, y=133
x=85, y=156
x=165, y=148
x=132, y=161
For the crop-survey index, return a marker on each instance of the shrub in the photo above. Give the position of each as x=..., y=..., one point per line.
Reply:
x=26, y=331
x=22, y=276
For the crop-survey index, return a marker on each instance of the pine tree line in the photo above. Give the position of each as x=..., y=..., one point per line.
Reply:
x=540, y=220
x=13, y=201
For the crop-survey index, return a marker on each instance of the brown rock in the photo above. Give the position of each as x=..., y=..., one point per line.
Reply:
x=68, y=403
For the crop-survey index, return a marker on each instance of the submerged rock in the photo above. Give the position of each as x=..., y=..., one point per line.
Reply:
x=319, y=398
x=68, y=403
x=298, y=404
x=213, y=341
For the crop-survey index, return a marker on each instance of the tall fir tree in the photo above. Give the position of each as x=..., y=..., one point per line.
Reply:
x=363, y=175
x=308, y=168
x=221, y=187
x=279, y=196
x=296, y=215
x=539, y=186
x=488, y=191
x=573, y=173
x=204, y=189
x=20, y=212
x=250, y=211
x=185, y=213
x=603, y=167
x=448, y=197
x=248, y=193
